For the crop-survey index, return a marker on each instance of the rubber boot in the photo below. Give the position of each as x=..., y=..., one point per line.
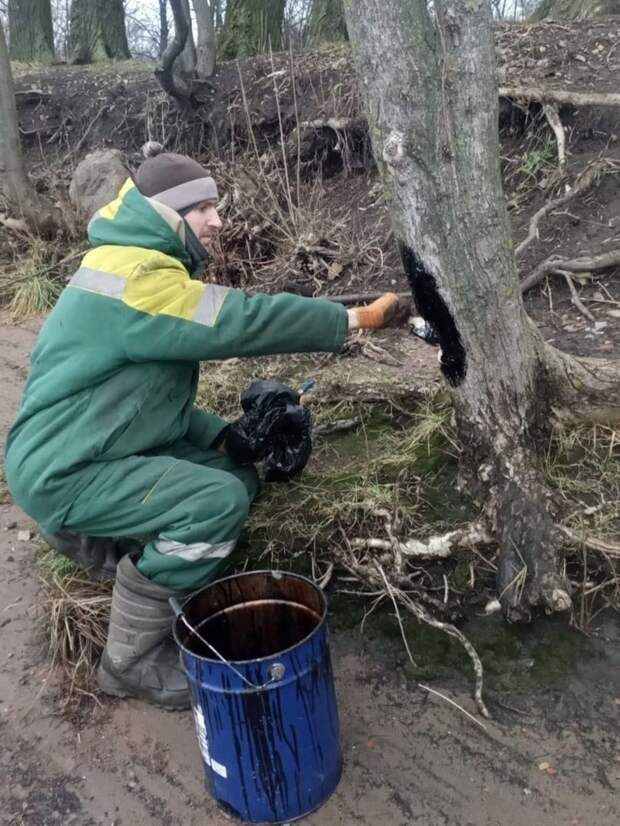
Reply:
x=99, y=555
x=140, y=658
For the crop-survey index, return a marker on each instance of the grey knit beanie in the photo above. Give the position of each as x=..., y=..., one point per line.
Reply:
x=174, y=180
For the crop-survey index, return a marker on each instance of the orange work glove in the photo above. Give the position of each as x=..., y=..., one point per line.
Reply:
x=374, y=315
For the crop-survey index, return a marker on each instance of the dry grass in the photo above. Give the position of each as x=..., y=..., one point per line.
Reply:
x=77, y=610
x=33, y=270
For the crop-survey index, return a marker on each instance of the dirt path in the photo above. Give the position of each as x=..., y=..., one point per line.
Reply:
x=409, y=758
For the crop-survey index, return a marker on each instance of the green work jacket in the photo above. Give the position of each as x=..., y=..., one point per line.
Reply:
x=115, y=367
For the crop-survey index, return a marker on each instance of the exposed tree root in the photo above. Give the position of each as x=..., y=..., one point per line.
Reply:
x=555, y=264
x=435, y=547
x=584, y=389
x=593, y=543
x=561, y=96
x=373, y=574
x=583, y=183
x=553, y=117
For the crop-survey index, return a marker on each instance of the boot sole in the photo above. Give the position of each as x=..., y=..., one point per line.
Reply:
x=111, y=685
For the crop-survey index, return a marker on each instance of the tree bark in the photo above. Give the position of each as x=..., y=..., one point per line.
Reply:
x=14, y=183
x=327, y=23
x=163, y=26
x=432, y=110
x=573, y=10
x=30, y=30
x=205, y=44
x=251, y=27
x=97, y=31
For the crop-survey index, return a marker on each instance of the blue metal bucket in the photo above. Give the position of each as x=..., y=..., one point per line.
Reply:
x=263, y=694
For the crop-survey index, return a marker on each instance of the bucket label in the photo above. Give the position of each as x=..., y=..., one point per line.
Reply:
x=201, y=731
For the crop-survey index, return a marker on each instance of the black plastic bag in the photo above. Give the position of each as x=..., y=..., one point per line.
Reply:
x=274, y=428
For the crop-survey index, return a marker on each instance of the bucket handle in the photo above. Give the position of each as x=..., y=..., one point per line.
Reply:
x=276, y=672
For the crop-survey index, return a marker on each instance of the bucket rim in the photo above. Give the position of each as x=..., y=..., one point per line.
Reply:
x=268, y=572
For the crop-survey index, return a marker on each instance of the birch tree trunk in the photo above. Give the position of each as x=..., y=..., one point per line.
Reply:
x=429, y=83
x=14, y=183
x=205, y=42
x=30, y=30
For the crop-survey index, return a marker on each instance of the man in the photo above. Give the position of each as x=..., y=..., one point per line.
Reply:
x=107, y=442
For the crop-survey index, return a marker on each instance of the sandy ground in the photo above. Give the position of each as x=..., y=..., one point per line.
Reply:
x=409, y=758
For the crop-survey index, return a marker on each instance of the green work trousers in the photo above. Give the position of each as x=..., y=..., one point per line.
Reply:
x=189, y=505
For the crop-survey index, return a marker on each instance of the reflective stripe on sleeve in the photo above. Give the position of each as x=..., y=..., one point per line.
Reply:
x=210, y=304
x=196, y=551
x=96, y=281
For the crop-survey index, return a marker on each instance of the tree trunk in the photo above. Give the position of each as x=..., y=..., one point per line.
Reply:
x=179, y=60
x=566, y=10
x=14, y=183
x=185, y=64
x=30, y=30
x=432, y=110
x=205, y=45
x=97, y=31
x=163, y=26
x=251, y=27
x=326, y=22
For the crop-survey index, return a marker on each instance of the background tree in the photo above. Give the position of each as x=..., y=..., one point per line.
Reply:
x=30, y=30
x=326, y=21
x=176, y=70
x=205, y=41
x=15, y=185
x=251, y=26
x=564, y=10
x=430, y=89
x=163, y=26
x=97, y=31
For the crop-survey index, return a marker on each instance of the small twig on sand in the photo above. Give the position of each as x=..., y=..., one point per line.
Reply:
x=453, y=703
x=574, y=295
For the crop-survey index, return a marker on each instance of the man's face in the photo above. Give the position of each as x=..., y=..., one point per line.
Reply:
x=204, y=222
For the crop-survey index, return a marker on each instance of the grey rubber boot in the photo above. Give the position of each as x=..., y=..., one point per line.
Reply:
x=140, y=658
x=99, y=555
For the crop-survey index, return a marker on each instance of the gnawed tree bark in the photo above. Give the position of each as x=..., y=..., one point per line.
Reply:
x=30, y=30
x=97, y=31
x=14, y=183
x=563, y=11
x=326, y=23
x=205, y=42
x=251, y=27
x=432, y=111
